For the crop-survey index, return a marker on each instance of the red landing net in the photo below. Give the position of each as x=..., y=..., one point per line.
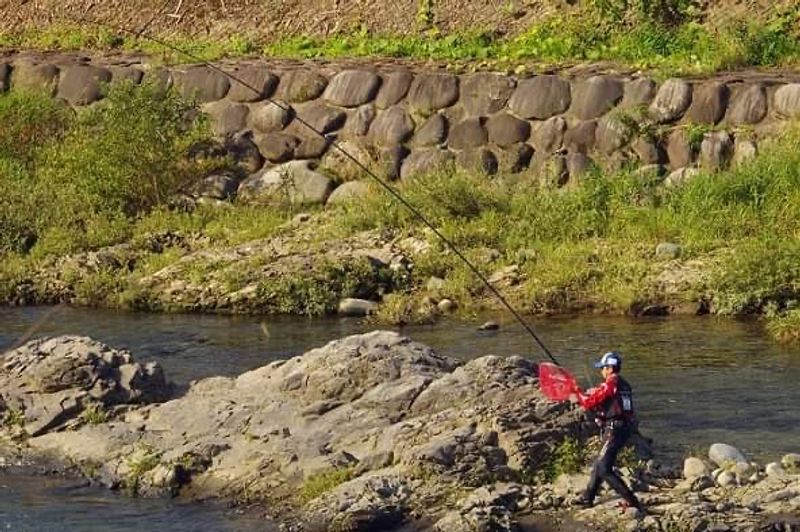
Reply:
x=557, y=384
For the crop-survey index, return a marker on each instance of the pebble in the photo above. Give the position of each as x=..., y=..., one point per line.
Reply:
x=446, y=306
x=489, y=326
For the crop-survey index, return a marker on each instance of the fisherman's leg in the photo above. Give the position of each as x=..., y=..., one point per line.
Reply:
x=599, y=469
x=616, y=443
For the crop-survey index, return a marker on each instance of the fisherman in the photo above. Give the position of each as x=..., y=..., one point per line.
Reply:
x=612, y=405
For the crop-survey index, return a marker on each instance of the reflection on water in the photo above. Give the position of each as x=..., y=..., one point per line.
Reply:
x=697, y=380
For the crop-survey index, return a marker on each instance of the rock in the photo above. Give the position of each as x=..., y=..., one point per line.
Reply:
x=743, y=150
x=252, y=84
x=485, y=93
x=748, y=106
x=680, y=152
x=312, y=147
x=649, y=152
x=612, y=134
x=672, y=99
x=431, y=92
x=701, y=483
x=791, y=462
x=551, y=170
x=425, y=161
x=680, y=176
x=358, y=121
x=446, y=306
x=300, y=85
x=244, y=152
x=489, y=326
x=723, y=454
x=82, y=85
x=513, y=159
x=351, y=88
x=356, y=307
x=347, y=192
x=294, y=182
x=129, y=74
x=391, y=127
x=5, y=77
x=374, y=462
x=569, y=485
x=468, y=134
x=786, y=100
x=668, y=250
x=226, y=117
x=323, y=118
x=335, y=162
x=394, y=88
x=276, y=147
x=506, y=130
x=726, y=478
x=709, y=103
x=433, y=132
x=694, y=468
x=202, y=83
x=27, y=75
x=480, y=161
x=390, y=161
x=548, y=136
x=269, y=117
x=638, y=93
x=578, y=164
x=434, y=284
x=217, y=186
x=581, y=137
x=716, y=150
x=774, y=470
x=595, y=96
x=650, y=174
x=540, y=97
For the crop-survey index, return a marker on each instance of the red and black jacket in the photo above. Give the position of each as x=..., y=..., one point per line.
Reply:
x=612, y=401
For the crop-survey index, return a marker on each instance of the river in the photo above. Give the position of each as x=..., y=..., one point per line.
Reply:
x=697, y=380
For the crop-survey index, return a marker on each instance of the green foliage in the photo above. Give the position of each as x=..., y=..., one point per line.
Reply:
x=786, y=328
x=143, y=459
x=566, y=458
x=321, y=483
x=94, y=414
x=14, y=418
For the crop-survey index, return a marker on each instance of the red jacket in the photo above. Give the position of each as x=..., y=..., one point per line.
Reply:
x=597, y=396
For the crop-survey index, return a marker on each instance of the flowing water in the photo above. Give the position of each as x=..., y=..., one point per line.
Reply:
x=697, y=381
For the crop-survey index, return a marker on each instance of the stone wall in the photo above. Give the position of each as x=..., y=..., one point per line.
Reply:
x=406, y=121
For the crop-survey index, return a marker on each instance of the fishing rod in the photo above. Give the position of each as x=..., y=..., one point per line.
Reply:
x=335, y=144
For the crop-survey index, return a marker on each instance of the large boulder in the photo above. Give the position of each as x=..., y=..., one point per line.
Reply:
x=540, y=97
x=468, y=134
x=671, y=101
x=748, y=105
x=269, y=117
x=392, y=126
x=351, y=88
x=432, y=132
x=723, y=455
x=300, y=85
x=226, y=117
x=277, y=147
x=595, y=96
x=638, y=93
x=202, y=83
x=485, y=93
x=27, y=75
x=430, y=92
x=709, y=103
x=323, y=118
x=251, y=84
x=82, y=84
x=394, y=88
x=506, y=130
x=786, y=100
x=48, y=383
x=294, y=182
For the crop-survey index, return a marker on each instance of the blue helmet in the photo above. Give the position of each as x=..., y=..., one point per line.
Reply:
x=612, y=358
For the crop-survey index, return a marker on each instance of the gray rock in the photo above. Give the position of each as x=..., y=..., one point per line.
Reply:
x=701, y=483
x=668, y=250
x=356, y=307
x=595, y=96
x=351, y=88
x=217, y=186
x=446, y=306
x=335, y=162
x=540, y=97
x=709, y=103
x=124, y=73
x=743, y=150
x=672, y=99
x=277, y=147
x=612, y=134
x=748, y=106
x=323, y=118
x=791, y=462
x=638, y=93
x=468, y=134
x=433, y=132
x=226, y=117
x=506, y=130
x=426, y=161
x=786, y=100
x=244, y=152
x=513, y=159
x=347, y=192
x=726, y=478
x=680, y=176
x=489, y=326
x=548, y=136
x=312, y=147
x=431, y=92
x=394, y=88
x=82, y=85
x=27, y=75
x=300, y=85
x=252, y=84
x=390, y=160
x=774, y=470
x=723, y=454
x=578, y=164
x=358, y=121
x=294, y=182
x=694, y=467
x=160, y=77
x=392, y=126
x=648, y=151
x=5, y=77
x=485, y=93
x=550, y=169
x=477, y=160
x=680, y=152
x=268, y=117
x=201, y=83
x=716, y=150
x=581, y=137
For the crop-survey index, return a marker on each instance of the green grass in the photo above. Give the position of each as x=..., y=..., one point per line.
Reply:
x=321, y=483
x=669, y=36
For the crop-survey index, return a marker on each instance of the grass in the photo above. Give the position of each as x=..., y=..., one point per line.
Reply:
x=669, y=36
x=321, y=483
x=567, y=457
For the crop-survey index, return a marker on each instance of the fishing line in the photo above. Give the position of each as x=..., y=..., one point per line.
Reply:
x=388, y=188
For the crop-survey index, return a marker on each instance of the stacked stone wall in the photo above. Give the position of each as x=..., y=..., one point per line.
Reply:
x=407, y=121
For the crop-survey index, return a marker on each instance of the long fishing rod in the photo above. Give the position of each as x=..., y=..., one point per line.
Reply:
x=388, y=188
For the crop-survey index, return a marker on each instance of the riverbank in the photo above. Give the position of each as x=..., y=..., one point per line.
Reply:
x=358, y=434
